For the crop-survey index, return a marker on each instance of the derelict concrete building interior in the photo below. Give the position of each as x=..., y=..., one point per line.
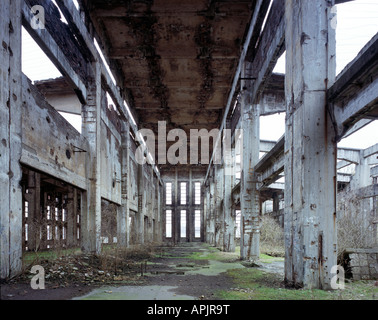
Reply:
x=194, y=77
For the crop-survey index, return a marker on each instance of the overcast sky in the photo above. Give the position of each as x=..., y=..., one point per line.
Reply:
x=357, y=23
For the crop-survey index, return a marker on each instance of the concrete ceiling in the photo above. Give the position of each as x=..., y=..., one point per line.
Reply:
x=176, y=59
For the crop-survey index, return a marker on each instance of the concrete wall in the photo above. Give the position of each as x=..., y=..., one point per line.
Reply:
x=362, y=264
x=49, y=142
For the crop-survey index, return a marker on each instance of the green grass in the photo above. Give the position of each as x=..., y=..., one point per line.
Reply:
x=204, y=256
x=268, y=259
x=253, y=284
x=32, y=257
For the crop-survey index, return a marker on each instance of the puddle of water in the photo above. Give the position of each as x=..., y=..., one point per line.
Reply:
x=135, y=293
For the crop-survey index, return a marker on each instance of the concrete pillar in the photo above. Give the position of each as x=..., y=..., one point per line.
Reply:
x=33, y=197
x=211, y=216
x=206, y=210
x=219, y=184
x=123, y=232
x=190, y=210
x=159, y=229
x=249, y=195
x=91, y=129
x=140, y=214
x=72, y=203
x=228, y=220
x=10, y=138
x=361, y=177
x=310, y=148
x=175, y=211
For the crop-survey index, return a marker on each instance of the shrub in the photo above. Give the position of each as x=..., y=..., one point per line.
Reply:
x=271, y=237
x=353, y=231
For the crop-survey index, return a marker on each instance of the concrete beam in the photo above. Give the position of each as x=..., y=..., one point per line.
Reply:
x=364, y=101
x=266, y=146
x=370, y=151
x=349, y=155
x=367, y=192
x=271, y=165
x=74, y=20
x=342, y=164
x=354, y=95
x=359, y=125
x=343, y=177
x=374, y=172
x=272, y=103
x=47, y=43
x=270, y=48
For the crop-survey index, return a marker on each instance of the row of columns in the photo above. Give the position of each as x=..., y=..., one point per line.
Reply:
x=11, y=196
x=310, y=155
x=310, y=151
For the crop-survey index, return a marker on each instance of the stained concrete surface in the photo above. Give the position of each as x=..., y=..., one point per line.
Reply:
x=135, y=293
x=189, y=271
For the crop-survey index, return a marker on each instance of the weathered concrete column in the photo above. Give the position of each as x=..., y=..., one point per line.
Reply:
x=190, y=211
x=206, y=209
x=33, y=197
x=310, y=148
x=72, y=203
x=10, y=138
x=249, y=195
x=211, y=215
x=91, y=129
x=219, y=183
x=123, y=232
x=175, y=211
x=140, y=214
x=159, y=230
x=228, y=217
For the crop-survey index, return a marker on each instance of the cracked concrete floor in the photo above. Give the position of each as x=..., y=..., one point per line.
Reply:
x=189, y=271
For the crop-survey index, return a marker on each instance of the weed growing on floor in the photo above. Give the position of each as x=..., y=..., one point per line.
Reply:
x=254, y=284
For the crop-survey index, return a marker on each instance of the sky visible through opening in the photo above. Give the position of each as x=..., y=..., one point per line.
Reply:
x=357, y=23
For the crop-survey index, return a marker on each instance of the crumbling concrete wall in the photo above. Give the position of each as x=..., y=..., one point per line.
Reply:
x=50, y=143
x=362, y=264
x=81, y=169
